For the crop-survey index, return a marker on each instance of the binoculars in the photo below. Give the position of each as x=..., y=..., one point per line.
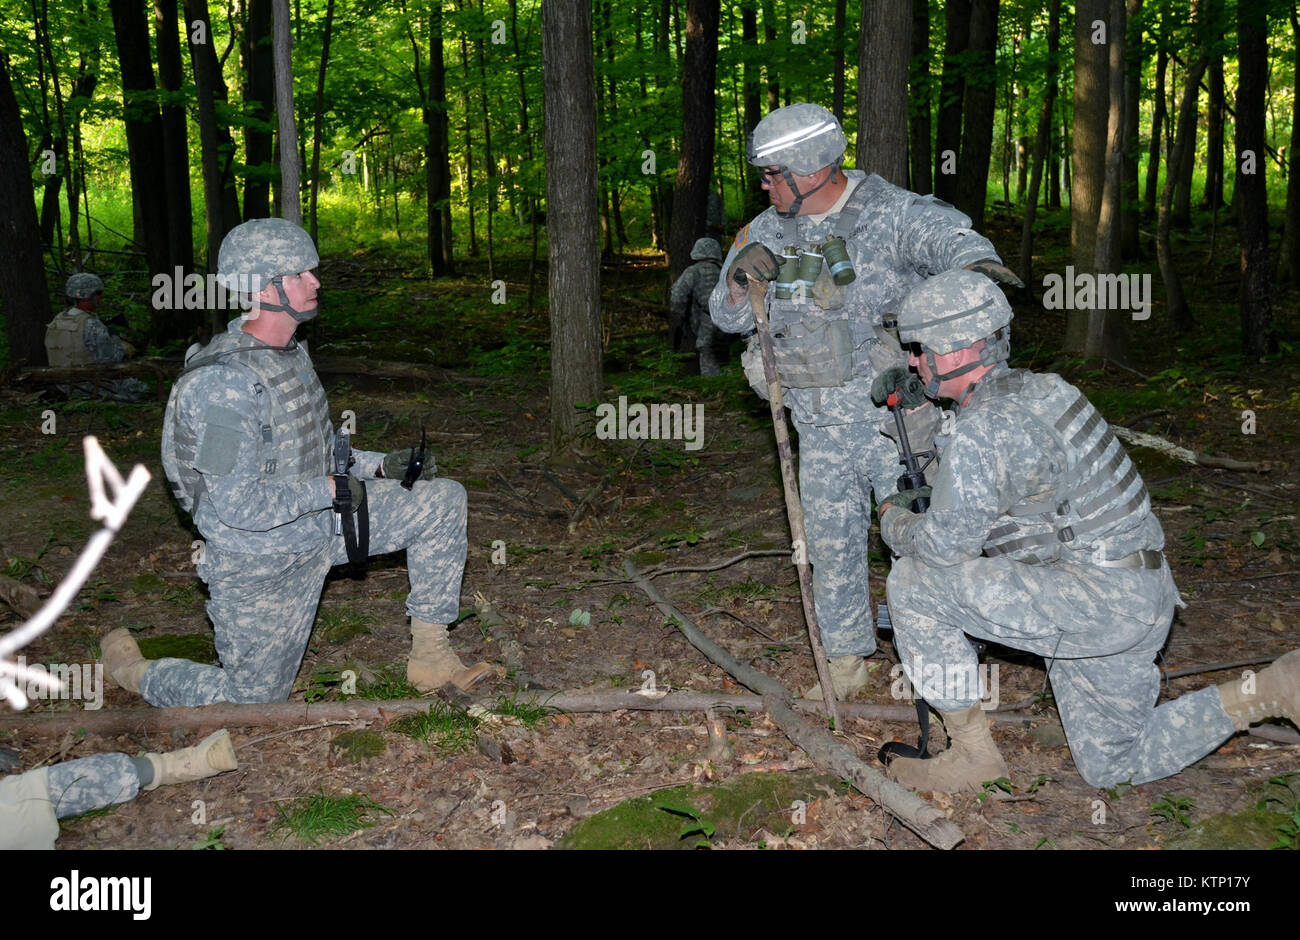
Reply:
x=801, y=268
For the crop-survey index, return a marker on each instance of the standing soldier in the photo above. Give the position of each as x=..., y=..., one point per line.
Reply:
x=1040, y=536
x=844, y=248
x=76, y=337
x=690, y=306
x=246, y=445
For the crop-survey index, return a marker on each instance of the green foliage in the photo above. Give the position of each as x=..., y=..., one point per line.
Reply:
x=445, y=728
x=1288, y=829
x=528, y=714
x=213, y=841
x=319, y=817
x=695, y=825
x=1174, y=808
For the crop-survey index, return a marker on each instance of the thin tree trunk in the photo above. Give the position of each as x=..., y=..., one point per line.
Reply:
x=752, y=185
x=1130, y=200
x=952, y=93
x=319, y=116
x=837, y=63
x=1255, y=296
x=489, y=165
x=1158, y=119
x=1042, y=143
x=1176, y=301
x=572, y=215
x=769, y=36
x=1108, y=329
x=922, y=175
x=884, y=50
x=695, y=165
x=175, y=138
x=469, y=144
x=1213, y=196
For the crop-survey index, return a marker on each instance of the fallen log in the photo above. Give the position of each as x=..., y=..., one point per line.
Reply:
x=1170, y=449
x=147, y=720
x=929, y=822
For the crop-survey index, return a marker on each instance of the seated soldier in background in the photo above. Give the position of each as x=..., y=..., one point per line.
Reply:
x=76, y=337
x=31, y=804
x=1040, y=537
x=247, y=446
x=691, y=326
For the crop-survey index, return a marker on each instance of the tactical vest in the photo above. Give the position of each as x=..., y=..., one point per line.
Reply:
x=1096, y=508
x=65, y=340
x=813, y=343
x=295, y=426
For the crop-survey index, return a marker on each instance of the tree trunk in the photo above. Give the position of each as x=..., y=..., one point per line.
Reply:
x=220, y=197
x=1091, y=107
x=1182, y=210
x=489, y=165
x=837, y=64
x=752, y=185
x=1158, y=118
x=437, y=151
x=769, y=36
x=695, y=165
x=952, y=92
x=319, y=113
x=1107, y=330
x=1288, y=270
x=144, y=143
x=259, y=93
x=1176, y=301
x=978, y=112
x=1130, y=200
x=568, y=74
x=24, y=294
x=290, y=188
x=884, y=50
x=469, y=145
x=1213, y=197
x=1254, y=295
x=922, y=177
x=1042, y=143
x=175, y=138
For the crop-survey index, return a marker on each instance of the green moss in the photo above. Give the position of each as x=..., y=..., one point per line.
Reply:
x=197, y=647
x=361, y=744
x=148, y=584
x=763, y=800
x=1251, y=829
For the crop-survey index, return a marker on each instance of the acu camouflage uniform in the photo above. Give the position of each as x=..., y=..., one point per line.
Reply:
x=1040, y=537
x=32, y=803
x=689, y=302
x=77, y=338
x=898, y=239
x=246, y=447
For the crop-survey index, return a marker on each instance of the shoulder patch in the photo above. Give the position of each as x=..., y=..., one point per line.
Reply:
x=741, y=237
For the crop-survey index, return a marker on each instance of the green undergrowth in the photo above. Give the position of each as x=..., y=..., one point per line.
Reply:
x=320, y=817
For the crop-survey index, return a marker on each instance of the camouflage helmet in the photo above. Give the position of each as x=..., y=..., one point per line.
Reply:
x=706, y=249
x=83, y=286
x=801, y=138
x=266, y=249
x=955, y=310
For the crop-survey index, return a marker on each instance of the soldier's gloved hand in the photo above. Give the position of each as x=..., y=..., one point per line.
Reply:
x=904, y=498
x=910, y=388
x=755, y=260
x=394, y=465
x=998, y=272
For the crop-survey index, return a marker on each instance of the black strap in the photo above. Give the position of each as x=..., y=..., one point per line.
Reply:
x=356, y=522
x=894, y=749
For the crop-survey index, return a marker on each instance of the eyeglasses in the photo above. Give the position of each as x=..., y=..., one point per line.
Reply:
x=766, y=176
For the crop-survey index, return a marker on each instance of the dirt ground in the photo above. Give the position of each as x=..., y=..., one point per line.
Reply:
x=1230, y=540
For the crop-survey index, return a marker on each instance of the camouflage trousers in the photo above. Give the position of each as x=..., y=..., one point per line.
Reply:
x=31, y=803
x=1098, y=629
x=262, y=607
x=838, y=467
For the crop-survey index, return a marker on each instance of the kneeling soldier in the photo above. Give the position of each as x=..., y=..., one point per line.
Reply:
x=247, y=445
x=1040, y=537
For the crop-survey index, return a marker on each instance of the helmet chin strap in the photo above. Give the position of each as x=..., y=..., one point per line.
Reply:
x=798, y=196
x=302, y=316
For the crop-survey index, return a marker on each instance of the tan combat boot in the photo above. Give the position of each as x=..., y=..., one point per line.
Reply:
x=1276, y=694
x=971, y=758
x=122, y=659
x=211, y=756
x=849, y=676
x=433, y=663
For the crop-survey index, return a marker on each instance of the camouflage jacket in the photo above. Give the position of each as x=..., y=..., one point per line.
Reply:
x=219, y=413
x=900, y=238
x=94, y=345
x=1027, y=459
x=692, y=289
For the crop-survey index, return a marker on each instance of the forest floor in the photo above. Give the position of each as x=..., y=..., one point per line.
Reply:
x=1230, y=538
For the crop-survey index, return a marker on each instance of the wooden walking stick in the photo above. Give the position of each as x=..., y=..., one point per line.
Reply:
x=794, y=509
